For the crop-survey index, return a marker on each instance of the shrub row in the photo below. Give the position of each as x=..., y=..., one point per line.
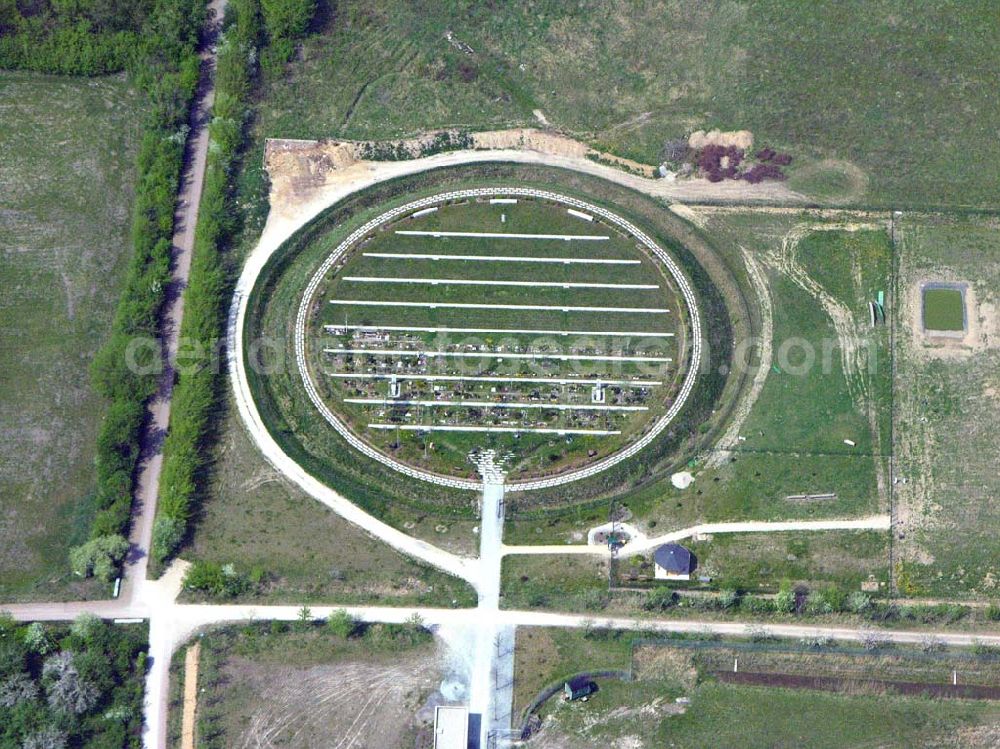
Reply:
x=74, y=38
x=798, y=601
x=124, y=373
x=198, y=389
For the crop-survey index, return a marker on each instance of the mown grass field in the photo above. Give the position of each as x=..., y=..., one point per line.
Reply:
x=643, y=711
x=67, y=152
x=943, y=309
x=948, y=411
x=866, y=96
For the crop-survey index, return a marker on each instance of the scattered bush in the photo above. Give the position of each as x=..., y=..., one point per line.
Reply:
x=729, y=599
x=872, y=640
x=100, y=557
x=858, y=602
x=757, y=633
x=342, y=624
x=816, y=641
x=220, y=581
x=594, y=600
x=757, y=605
x=659, y=599
x=784, y=602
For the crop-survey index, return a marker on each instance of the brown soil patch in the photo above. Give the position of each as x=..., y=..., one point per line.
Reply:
x=860, y=686
x=348, y=705
x=739, y=138
x=191, y=659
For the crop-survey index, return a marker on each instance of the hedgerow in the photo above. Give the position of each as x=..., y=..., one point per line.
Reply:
x=197, y=391
x=125, y=370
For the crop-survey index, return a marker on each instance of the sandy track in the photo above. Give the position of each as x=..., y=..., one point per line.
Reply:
x=191, y=660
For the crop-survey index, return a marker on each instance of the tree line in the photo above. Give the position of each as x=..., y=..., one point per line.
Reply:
x=251, y=28
x=156, y=43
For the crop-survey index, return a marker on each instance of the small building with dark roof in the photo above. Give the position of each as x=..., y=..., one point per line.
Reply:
x=577, y=687
x=672, y=562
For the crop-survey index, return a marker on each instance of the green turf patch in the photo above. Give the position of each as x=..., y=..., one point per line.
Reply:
x=944, y=309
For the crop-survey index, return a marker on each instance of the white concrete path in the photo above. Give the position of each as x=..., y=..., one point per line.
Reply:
x=641, y=543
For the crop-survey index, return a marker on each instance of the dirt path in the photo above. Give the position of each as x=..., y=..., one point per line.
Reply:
x=191, y=660
x=185, y=219
x=641, y=543
x=765, y=347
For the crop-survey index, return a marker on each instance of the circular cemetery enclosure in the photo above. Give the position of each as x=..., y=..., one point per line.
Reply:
x=542, y=330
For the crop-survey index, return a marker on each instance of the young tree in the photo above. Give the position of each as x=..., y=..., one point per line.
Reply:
x=36, y=639
x=66, y=690
x=49, y=737
x=100, y=557
x=342, y=624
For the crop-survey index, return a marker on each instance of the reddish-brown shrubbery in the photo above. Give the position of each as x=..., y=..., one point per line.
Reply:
x=723, y=162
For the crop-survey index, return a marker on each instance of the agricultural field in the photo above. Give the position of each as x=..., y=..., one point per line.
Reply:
x=254, y=519
x=554, y=346
x=67, y=153
x=275, y=684
x=644, y=712
x=855, y=92
x=948, y=410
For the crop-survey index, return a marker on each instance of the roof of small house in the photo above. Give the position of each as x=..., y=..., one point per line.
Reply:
x=578, y=682
x=673, y=558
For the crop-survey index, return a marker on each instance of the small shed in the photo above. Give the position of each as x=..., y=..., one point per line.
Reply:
x=577, y=687
x=451, y=727
x=672, y=562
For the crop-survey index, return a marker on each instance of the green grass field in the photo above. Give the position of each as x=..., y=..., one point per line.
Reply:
x=722, y=714
x=944, y=309
x=254, y=519
x=751, y=562
x=948, y=412
x=793, y=438
x=67, y=152
x=762, y=561
x=863, y=95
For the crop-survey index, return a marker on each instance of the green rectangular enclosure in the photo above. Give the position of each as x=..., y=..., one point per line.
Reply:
x=944, y=309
